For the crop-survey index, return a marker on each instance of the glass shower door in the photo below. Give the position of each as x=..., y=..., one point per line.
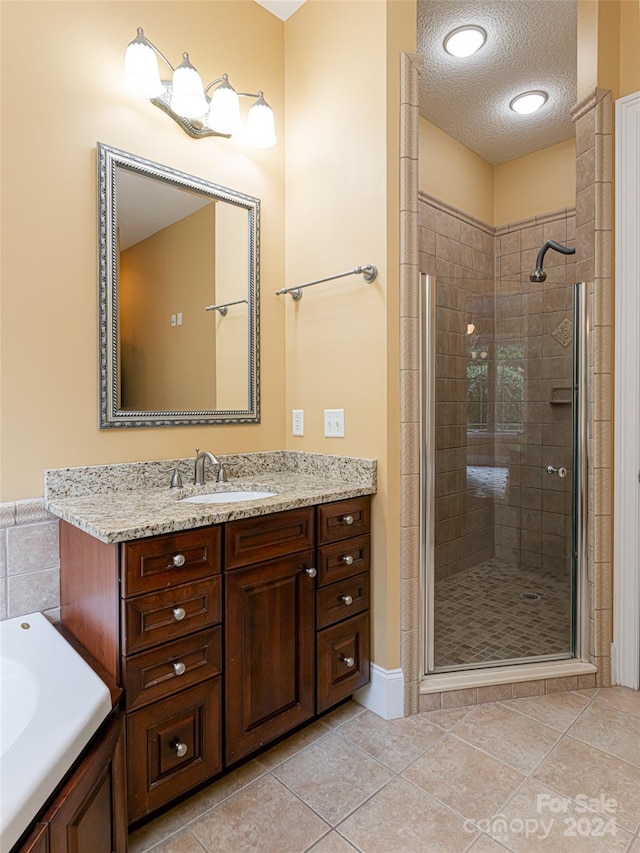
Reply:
x=500, y=444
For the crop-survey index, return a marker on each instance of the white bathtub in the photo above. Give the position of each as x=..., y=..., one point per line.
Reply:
x=51, y=704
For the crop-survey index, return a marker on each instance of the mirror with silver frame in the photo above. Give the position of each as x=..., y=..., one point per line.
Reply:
x=179, y=284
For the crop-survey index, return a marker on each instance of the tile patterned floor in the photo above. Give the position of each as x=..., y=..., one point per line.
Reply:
x=545, y=773
x=481, y=617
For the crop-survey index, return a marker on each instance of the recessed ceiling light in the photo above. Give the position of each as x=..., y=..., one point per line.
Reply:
x=528, y=102
x=464, y=41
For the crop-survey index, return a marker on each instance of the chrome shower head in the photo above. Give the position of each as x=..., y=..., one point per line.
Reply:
x=539, y=274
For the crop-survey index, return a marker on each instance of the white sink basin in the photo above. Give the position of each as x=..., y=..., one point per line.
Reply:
x=227, y=497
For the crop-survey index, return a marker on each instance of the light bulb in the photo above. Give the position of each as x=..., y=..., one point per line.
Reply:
x=528, y=102
x=141, y=76
x=260, y=124
x=464, y=41
x=187, y=97
x=224, y=110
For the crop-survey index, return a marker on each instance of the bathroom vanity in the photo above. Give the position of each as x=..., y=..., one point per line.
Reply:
x=224, y=635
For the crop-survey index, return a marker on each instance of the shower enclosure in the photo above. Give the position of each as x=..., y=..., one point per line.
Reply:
x=503, y=452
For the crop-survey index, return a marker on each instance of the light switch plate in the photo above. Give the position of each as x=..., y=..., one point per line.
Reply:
x=334, y=423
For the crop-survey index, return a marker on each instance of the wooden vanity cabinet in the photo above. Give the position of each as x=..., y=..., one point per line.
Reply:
x=294, y=640
x=269, y=644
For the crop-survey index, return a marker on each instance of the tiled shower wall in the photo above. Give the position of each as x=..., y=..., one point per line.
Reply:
x=461, y=249
x=534, y=519
x=29, y=560
x=488, y=272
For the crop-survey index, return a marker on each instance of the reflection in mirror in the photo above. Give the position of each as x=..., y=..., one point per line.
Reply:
x=178, y=296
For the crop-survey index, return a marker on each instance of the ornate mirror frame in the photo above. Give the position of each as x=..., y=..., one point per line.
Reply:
x=111, y=415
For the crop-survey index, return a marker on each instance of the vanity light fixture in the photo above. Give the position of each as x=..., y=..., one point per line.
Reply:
x=528, y=102
x=463, y=41
x=186, y=100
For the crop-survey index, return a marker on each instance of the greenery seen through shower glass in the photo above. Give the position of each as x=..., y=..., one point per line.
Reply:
x=507, y=374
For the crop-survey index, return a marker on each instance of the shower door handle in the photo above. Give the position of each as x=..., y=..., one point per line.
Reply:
x=561, y=472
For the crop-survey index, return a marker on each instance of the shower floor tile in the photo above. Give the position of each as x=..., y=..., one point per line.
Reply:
x=480, y=616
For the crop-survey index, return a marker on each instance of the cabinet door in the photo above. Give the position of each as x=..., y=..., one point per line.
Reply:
x=89, y=812
x=38, y=841
x=269, y=651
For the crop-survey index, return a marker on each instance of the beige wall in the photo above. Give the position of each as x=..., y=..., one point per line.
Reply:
x=518, y=189
x=341, y=173
x=71, y=85
x=534, y=184
x=608, y=38
x=454, y=174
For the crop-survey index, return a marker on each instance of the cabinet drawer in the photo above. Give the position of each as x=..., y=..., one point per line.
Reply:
x=160, y=672
x=343, y=559
x=341, y=600
x=162, y=616
x=343, y=660
x=163, y=561
x=172, y=746
x=343, y=518
x=254, y=540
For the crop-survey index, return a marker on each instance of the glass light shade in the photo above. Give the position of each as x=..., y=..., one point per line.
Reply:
x=187, y=97
x=224, y=110
x=528, y=102
x=260, y=124
x=141, y=76
x=464, y=41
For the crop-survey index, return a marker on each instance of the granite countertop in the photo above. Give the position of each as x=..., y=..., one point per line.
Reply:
x=123, y=502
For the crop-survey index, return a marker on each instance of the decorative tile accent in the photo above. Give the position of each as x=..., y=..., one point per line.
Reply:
x=7, y=514
x=31, y=511
x=563, y=333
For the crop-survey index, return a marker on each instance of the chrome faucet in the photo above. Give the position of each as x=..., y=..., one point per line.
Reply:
x=201, y=458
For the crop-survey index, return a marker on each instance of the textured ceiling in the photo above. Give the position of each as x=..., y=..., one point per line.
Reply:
x=531, y=44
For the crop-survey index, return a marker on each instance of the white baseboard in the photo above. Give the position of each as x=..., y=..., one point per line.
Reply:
x=384, y=695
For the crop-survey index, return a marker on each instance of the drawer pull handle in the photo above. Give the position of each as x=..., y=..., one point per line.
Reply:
x=347, y=519
x=179, y=613
x=179, y=560
x=348, y=599
x=181, y=749
x=347, y=559
x=347, y=661
x=311, y=572
x=179, y=668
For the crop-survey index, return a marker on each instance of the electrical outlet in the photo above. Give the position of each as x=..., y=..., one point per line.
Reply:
x=334, y=423
x=297, y=422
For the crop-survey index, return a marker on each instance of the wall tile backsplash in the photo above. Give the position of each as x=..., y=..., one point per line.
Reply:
x=29, y=559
